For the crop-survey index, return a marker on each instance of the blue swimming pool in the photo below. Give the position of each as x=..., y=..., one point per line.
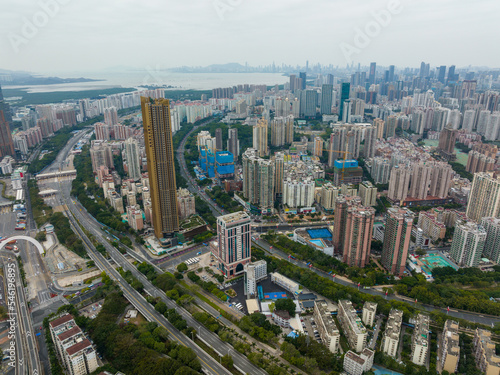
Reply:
x=378, y=370
x=318, y=243
x=319, y=233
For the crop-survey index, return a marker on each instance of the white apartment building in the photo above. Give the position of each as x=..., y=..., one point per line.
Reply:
x=390, y=340
x=327, y=328
x=356, y=364
x=254, y=272
x=369, y=312
x=420, y=340
x=450, y=347
x=352, y=326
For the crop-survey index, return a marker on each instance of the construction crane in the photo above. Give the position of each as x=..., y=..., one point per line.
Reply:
x=349, y=134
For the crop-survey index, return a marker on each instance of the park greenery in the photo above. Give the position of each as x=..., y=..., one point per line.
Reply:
x=308, y=355
x=257, y=326
x=224, y=199
x=139, y=349
x=467, y=289
x=460, y=169
x=203, y=209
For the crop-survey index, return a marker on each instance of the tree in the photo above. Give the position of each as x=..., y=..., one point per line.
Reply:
x=227, y=361
x=41, y=236
x=182, y=267
x=286, y=304
x=420, y=251
x=161, y=307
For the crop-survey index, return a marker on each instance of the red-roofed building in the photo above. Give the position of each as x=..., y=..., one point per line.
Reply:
x=73, y=348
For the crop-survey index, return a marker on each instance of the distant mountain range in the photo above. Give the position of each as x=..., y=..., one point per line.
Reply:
x=20, y=78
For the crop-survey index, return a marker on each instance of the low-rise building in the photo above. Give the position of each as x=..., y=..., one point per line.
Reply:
x=430, y=225
x=484, y=351
x=369, y=312
x=281, y=318
x=352, y=326
x=285, y=282
x=356, y=364
x=450, y=347
x=327, y=328
x=390, y=340
x=420, y=340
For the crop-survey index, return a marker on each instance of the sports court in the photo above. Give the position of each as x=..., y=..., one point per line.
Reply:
x=434, y=261
x=275, y=295
x=319, y=233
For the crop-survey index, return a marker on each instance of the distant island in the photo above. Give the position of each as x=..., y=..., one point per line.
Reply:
x=15, y=78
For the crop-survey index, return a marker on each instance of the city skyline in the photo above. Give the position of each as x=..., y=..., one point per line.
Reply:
x=36, y=30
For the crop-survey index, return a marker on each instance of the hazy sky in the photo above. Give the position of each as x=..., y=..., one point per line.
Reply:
x=88, y=35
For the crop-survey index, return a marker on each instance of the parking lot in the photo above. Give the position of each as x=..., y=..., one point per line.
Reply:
x=310, y=328
x=91, y=311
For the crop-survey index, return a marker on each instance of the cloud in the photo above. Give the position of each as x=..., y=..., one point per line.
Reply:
x=92, y=34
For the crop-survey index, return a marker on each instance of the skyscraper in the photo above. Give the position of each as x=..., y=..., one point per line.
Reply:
x=110, y=116
x=390, y=127
x=358, y=235
x=468, y=244
x=132, y=155
x=260, y=138
x=218, y=139
x=370, y=140
x=342, y=203
x=442, y=174
x=289, y=128
x=391, y=73
x=399, y=183
x=234, y=243
x=373, y=69
x=6, y=143
x=233, y=143
x=161, y=170
x=397, y=239
x=344, y=95
x=447, y=140
x=303, y=77
x=442, y=73
x=326, y=99
x=278, y=132
x=492, y=244
x=484, y=197
x=311, y=98
x=258, y=180
x=420, y=180
x=293, y=82
x=353, y=230
x=279, y=174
